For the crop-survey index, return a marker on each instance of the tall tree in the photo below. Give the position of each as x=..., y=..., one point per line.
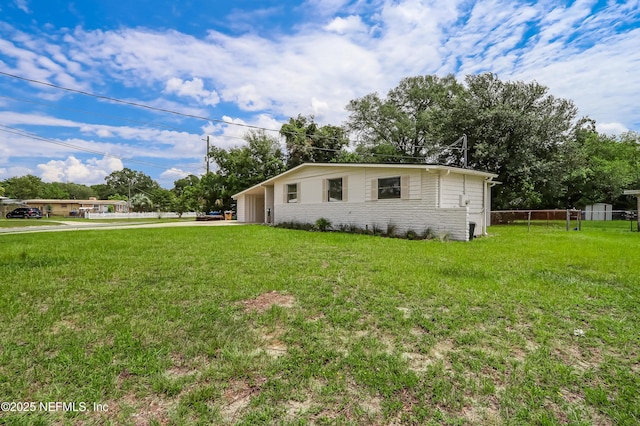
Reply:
x=308, y=142
x=180, y=184
x=24, y=187
x=413, y=123
x=54, y=191
x=105, y=192
x=127, y=181
x=141, y=203
x=515, y=129
x=597, y=168
x=242, y=167
x=162, y=199
x=187, y=201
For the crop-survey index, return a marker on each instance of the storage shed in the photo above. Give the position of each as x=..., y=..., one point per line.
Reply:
x=408, y=196
x=598, y=211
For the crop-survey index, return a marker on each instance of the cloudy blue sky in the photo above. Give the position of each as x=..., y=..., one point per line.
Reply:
x=237, y=63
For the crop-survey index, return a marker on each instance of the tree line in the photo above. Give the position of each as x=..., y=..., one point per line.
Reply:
x=545, y=155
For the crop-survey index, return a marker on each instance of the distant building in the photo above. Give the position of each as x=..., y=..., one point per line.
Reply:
x=599, y=211
x=77, y=207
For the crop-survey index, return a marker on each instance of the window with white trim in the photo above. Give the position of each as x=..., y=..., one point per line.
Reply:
x=390, y=187
x=292, y=192
x=334, y=189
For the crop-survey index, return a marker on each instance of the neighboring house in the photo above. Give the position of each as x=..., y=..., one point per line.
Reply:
x=409, y=196
x=635, y=192
x=6, y=205
x=77, y=207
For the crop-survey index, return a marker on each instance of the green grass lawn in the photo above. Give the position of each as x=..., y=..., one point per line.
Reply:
x=257, y=325
x=22, y=223
x=53, y=221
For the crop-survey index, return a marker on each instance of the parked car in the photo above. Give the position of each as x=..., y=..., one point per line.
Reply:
x=25, y=213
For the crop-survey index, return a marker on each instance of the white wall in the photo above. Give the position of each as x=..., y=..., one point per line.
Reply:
x=472, y=190
x=406, y=215
x=240, y=210
x=433, y=200
x=599, y=211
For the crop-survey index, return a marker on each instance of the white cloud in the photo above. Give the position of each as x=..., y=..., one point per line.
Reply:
x=193, y=88
x=227, y=136
x=350, y=24
x=22, y=5
x=91, y=172
x=348, y=49
x=611, y=128
x=9, y=172
x=174, y=174
x=169, y=176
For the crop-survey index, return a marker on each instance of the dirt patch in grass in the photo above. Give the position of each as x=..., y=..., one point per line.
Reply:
x=143, y=411
x=273, y=346
x=372, y=405
x=237, y=398
x=475, y=414
x=267, y=300
x=182, y=367
x=441, y=349
x=63, y=325
x=417, y=362
x=296, y=408
x=574, y=356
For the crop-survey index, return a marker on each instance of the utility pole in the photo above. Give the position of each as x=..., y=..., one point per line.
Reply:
x=465, y=148
x=206, y=157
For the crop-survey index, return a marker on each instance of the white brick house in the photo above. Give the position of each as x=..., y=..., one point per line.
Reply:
x=409, y=196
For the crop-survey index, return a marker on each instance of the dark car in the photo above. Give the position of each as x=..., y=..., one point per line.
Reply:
x=25, y=213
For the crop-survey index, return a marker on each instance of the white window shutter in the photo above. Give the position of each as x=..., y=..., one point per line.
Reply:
x=374, y=189
x=285, y=191
x=325, y=191
x=345, y=189
x=404, y=187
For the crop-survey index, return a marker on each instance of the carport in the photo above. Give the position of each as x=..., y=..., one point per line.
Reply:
x=255, y=205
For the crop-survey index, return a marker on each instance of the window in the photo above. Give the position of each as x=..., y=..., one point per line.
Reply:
x=389, y=188
x=292, y=193
x=334, y=189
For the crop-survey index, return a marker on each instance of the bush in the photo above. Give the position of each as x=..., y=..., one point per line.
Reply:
x=391, y=230
x=428, y=234
x=300, y=226
x=323, y=224
x=352, y=228
x=411, y=235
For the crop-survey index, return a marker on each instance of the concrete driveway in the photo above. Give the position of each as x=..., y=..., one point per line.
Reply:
x=78, y=226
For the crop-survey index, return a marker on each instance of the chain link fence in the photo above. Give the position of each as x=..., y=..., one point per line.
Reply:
x=567, y=219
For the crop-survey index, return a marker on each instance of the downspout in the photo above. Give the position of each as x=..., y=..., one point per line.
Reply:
x=484, y=207
x=490, y=184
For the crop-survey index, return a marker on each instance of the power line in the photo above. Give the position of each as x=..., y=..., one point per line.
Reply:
x=147, y=123
x=139, y=105
x=135, y=104
x=34, y=136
